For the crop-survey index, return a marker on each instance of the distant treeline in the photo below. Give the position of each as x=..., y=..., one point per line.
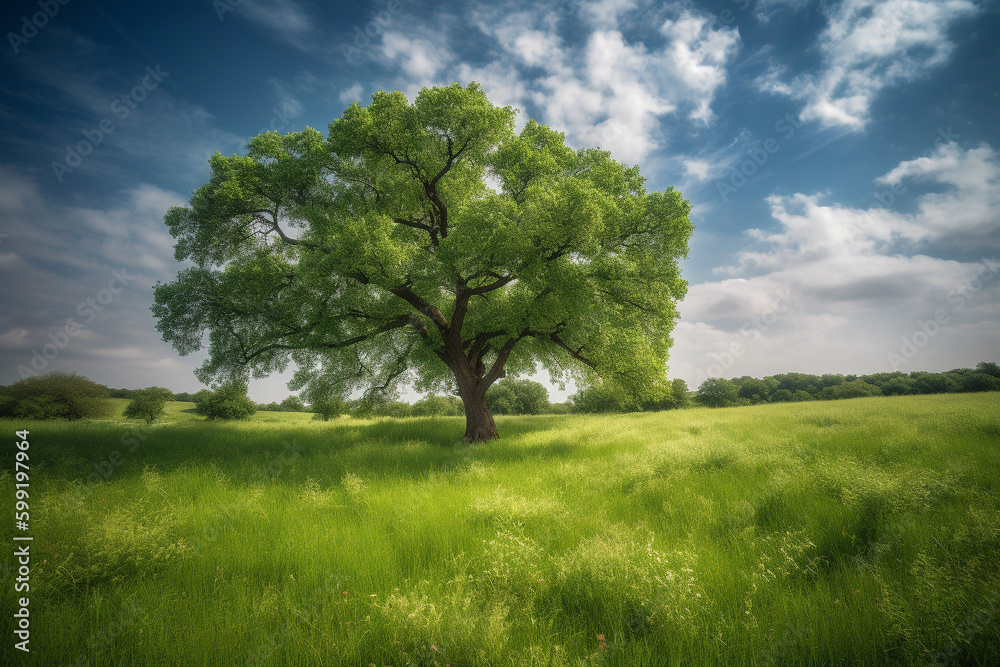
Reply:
x=789, y=387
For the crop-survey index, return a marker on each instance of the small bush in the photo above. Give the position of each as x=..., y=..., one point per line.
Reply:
x=229, y=401
x=147, y=404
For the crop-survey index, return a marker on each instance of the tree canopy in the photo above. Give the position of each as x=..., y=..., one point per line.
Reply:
x=427, y=242
x=148, y=404
x=55, y=395
x=229, y=401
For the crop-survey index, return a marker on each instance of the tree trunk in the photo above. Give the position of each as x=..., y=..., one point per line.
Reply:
x=479, y=424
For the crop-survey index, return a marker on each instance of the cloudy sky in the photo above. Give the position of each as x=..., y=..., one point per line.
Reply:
x=841, y=157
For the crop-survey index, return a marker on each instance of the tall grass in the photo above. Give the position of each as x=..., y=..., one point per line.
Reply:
x=852, y=532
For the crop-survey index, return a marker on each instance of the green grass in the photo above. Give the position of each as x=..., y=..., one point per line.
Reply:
x=844, y=532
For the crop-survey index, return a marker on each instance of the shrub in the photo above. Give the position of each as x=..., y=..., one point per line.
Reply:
x=229, y=401
x=293, y=404
x=595, y=399
x=55, y=396
x=328, y=408
x=147, y=404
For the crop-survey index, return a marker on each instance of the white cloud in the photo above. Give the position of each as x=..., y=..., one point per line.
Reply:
x=284, y=19
x=351, y=94
x=605, y=91
x=420, y=59
x=836, y=289
x=870, y=45
x=605, y=13
x=700, y=170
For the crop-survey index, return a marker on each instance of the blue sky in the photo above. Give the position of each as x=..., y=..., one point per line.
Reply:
x=841, y=158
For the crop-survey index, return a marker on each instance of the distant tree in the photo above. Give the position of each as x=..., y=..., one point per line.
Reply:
x=397, y=409
x=781, y=396
x=923, y=382
x=229, y=401
x=596, y=399
x=679, y=389
x=293, y=404
x=718, y=393
x=435, y=406
x=801, y=395
x=755, y=390
x=147, y=404
x=273, y=406
x=988, y=367
x=517, y=397
x=328, y=408
x=55, y=396
x=980, y=382
x=675, y=397
x=898, y=386
x=853, y=389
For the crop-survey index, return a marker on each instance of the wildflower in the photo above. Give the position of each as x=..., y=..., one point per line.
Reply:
x=373, y=595
x=856, y=592
x=541, y=581
x=433, y=647
x=345, y=592
x=413, y=615
x=600, y=638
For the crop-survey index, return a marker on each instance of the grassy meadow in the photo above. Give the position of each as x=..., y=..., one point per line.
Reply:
x=856, y=532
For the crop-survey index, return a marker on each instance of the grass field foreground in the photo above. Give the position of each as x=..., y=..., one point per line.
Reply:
x=864, y=531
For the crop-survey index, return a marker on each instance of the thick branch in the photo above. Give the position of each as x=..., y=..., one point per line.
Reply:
x=573, y=353
x=422, y=306
x=398, y=323
x=497, y=370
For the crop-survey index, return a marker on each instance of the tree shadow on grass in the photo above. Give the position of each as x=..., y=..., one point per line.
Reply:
x=406, y=448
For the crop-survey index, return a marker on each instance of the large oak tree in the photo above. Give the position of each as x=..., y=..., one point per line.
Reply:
x=427, y=242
